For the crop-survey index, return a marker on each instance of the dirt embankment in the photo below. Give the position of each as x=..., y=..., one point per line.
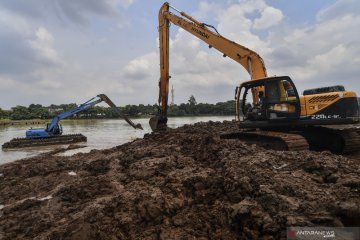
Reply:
x=182, y=184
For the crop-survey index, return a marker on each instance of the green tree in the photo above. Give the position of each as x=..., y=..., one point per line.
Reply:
x=2, y=114
x=183, y=108
x=192, y=100
x=67, y=107
x=112, y=113
x=205, y=108
x=20, y=112
x=38, y=111
x=191, y=106
x=92, y=112
x=131, y=110
x=175, y=110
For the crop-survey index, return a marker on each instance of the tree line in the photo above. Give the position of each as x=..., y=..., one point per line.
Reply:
x=191, y=108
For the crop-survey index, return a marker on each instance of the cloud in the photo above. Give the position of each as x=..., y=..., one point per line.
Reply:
x=235, y=23
x=124, y=3
x=141, y=67
x=79, y=10
x=322, y=53
x=325, y=53
x=29, y=9
x=24, y=48
x=33, y=57
x=76, y=11
x=43, y=45
x=79, y=57
x=339, y=9
x=269, y=17
x=196, y=69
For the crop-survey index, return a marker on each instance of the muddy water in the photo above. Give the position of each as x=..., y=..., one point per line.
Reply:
x=100, y=134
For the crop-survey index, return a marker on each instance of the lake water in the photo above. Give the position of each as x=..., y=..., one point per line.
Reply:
x=100, y=134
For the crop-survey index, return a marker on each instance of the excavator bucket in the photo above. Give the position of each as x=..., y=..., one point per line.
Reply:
x=153, y=122
x=158, y=123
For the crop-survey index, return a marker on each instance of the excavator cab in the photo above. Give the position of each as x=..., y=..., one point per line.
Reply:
x=277, y=101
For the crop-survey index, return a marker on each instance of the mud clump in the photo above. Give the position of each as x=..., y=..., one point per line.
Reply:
x=184, y=183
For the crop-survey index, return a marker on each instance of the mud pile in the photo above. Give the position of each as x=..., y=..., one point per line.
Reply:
x=186, y=183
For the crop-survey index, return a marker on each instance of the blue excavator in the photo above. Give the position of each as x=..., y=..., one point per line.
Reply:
x=52, y=134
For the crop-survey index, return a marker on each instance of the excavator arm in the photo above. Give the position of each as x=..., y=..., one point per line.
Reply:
x=99, y=98
x=249, y=59
x=106, y=99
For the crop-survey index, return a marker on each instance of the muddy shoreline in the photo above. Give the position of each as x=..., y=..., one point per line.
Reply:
x=181, y=184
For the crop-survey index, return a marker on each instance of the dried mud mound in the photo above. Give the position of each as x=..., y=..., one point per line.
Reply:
x=182, y=184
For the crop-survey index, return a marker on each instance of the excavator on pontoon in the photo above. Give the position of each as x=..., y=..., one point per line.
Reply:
x=270, y=110
x=52, y=134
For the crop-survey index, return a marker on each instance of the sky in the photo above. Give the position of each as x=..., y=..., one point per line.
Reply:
x=61, y=51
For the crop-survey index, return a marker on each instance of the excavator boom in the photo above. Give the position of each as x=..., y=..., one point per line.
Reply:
x=249, y=59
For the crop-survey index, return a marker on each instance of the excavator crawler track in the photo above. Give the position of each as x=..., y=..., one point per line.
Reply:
x=270, y=139
x=34, y=142
x=340, y=139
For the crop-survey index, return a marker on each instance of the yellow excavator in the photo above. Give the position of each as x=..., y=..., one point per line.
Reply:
x=275, y=115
